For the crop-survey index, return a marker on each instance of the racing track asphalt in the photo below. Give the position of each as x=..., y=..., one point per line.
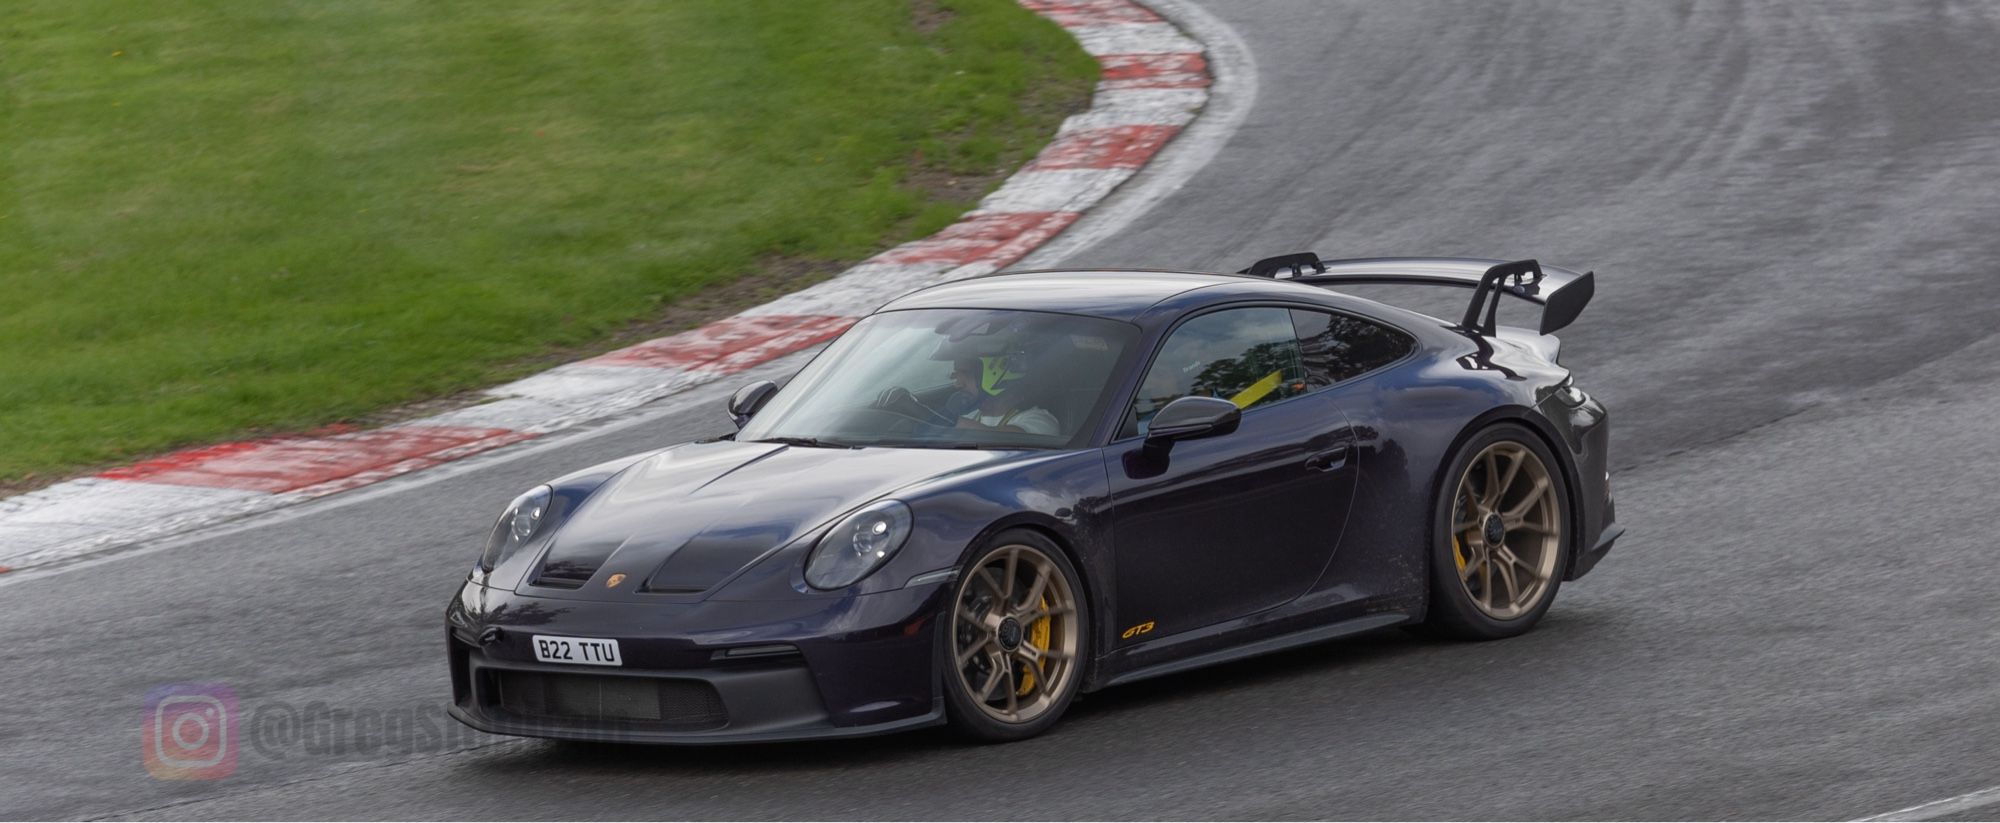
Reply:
x=1792, y=210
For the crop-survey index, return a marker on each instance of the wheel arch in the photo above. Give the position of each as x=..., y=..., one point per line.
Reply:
x=1059, y=534
x=1534, y=422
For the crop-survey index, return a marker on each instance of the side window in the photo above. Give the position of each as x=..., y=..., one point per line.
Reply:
x=1336, y=347
x=1247, y=356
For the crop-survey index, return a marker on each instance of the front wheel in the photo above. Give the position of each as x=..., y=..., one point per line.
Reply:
x=1017, y=639
x=1500, y=540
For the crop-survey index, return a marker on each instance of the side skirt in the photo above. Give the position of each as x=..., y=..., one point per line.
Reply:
x=1303, y=637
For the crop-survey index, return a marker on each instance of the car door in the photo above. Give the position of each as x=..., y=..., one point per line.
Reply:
x=1222, y=527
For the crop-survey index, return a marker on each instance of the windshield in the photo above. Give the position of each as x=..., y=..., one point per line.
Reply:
x=948, y=378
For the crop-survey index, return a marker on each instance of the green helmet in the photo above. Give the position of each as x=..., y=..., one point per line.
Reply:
x=992, y=371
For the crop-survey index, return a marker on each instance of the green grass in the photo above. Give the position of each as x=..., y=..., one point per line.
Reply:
x=224, y=217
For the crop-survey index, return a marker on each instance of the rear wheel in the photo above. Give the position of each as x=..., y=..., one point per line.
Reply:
x=1016, y=642
x=1500, y=538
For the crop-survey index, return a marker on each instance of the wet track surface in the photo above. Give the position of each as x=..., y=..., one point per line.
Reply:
x=1792, y=210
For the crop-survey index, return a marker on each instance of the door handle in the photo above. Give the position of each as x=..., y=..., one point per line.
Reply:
x=1327, y=461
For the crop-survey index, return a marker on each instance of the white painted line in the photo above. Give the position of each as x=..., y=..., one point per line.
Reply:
x=526, y=414
x=1113, y=107
x=1133, y=38
x=580, y=382
x=1137, y=107
x=87, y=514
x=1229, y=102
x=859, y=290
x=1940, y=808
x=1054, y=190
x=93, y=499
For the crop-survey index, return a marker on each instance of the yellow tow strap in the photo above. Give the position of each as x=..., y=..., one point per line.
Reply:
x=1256, y=391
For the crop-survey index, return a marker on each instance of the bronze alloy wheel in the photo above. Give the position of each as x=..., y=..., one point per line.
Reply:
x=1506, y=530
x=1015, y=634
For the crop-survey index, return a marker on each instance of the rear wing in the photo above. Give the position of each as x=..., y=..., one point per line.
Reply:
x=1561, y=293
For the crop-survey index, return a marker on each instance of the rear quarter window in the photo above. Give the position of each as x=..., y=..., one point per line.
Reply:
x=1334, y=347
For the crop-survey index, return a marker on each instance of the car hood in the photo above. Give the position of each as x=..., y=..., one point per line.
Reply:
x=683, y=520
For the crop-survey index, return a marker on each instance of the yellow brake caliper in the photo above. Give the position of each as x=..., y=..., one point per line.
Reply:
x=1456, y=553
x=1038, y=634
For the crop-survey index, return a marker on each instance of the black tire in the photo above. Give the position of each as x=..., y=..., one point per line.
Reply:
x=963, y=709
x=1453, y=612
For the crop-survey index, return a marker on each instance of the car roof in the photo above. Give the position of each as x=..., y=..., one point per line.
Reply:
x=1128, y=294
x=1118, y=294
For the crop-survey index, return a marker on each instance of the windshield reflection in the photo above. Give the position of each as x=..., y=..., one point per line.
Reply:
x=952, y=378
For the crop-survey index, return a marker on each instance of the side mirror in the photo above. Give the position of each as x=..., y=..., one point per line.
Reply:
x=744, y=404
x=1192, y=418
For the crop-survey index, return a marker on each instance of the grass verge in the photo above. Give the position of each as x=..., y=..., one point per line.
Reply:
x=227, y=218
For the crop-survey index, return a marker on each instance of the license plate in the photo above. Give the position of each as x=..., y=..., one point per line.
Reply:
x=589, y=651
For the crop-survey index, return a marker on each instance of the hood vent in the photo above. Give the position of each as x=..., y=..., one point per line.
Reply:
x=565, y=566
x=565, y=574
x=711, y=559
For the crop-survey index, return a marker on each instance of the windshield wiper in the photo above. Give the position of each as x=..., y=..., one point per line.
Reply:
x=808, y=442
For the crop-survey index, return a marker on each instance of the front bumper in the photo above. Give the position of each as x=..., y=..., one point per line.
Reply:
x=699, y=673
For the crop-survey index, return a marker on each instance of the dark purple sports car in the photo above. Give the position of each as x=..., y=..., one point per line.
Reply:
x=994, y=494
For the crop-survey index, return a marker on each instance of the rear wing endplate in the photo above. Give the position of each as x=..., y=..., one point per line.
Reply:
x=1561, y=294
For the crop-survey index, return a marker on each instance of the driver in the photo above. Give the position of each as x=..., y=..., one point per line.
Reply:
x=1001, y=398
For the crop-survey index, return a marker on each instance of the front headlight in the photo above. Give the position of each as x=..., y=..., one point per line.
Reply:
x=860, y=544
x=519, y=524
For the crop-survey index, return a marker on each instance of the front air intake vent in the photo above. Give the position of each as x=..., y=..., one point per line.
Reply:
x=666, y=703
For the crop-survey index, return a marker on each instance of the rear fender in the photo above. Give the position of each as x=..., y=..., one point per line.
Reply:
x=1551, y=438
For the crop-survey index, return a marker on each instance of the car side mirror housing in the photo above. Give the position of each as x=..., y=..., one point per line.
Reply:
x=744, y=404
x=1193, y=418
